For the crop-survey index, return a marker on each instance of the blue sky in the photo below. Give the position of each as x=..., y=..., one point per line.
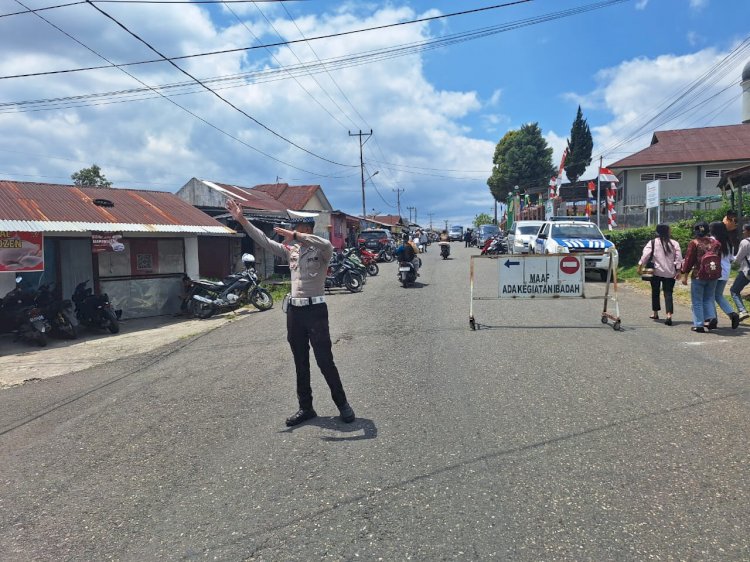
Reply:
x=436, y=115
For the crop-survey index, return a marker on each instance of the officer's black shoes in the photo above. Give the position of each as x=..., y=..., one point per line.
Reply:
x=347, y=414
x=303, y=416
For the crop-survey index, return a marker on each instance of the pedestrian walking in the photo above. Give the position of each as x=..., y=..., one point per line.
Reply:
x=665, y=256
x=742, y=259
x=719, y=233
x=423, y=240
x=467, y=238
x=703, y=264
x=307, y=316
x=730, y=221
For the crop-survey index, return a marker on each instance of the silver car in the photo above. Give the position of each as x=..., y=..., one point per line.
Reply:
x=522, y=237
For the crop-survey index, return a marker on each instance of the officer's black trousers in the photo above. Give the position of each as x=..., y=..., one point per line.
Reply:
x=305, y=326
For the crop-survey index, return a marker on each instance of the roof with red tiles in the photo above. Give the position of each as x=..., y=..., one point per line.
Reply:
x=692, y=146
x=393, y=220
x=26, y=201
x=295, y=197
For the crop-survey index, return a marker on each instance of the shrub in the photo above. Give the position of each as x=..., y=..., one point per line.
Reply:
x=630, y=242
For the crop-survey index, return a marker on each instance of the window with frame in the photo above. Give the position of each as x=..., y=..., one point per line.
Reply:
x=715, y=174
x=666, y=176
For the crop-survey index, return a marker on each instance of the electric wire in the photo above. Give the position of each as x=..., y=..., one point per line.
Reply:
x=290, y=42
x=262, y=76
x=226, y=101
x=324, y=108
x=172, y=101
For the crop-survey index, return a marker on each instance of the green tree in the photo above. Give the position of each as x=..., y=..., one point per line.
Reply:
x=483, y=218
x=522, y=158
x=90, y=177
x=580, y=146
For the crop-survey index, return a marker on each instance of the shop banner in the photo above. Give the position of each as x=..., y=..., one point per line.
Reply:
x=106, y=242
x=21, y=251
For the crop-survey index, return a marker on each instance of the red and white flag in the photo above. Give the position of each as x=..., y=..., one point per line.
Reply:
x=605, y=174
x=552, y=187
x=590, y=199
x=611, y=213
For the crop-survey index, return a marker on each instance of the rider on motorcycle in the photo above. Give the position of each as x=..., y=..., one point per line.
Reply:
x=407, y=252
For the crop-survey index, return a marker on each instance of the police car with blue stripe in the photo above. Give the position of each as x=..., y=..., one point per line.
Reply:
x=583, y=239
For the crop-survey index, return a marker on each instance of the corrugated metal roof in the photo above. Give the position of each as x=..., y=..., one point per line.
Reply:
x=68, y=208
x=73, y=226
x=729, y=143
x=294, y=197
x=247, y=197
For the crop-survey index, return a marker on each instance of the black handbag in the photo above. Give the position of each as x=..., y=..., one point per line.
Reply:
x=647, y=271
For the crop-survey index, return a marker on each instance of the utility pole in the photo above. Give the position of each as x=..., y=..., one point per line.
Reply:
x=398, y=199
x=446, y=225
x=410, y=210
x=362, y=163
x=430, y=215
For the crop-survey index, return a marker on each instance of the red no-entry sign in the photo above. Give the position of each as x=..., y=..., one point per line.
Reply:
x=569, y=265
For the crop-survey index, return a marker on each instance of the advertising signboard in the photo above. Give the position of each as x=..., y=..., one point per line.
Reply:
x=21, y=251
x=106, y=242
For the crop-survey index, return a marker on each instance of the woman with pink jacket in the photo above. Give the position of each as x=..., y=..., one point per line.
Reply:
x=666, y=255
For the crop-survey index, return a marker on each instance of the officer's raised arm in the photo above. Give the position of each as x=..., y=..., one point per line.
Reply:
x=253, y=232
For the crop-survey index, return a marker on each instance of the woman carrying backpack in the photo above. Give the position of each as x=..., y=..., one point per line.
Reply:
x=720, y=233
x=702, y=261
x=666, y=256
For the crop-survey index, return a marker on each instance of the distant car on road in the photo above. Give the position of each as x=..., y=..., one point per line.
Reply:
x=522, y=236
x=583, y=239
x=456, y=233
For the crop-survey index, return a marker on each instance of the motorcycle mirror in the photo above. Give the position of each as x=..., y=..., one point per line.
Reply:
x=19, y=279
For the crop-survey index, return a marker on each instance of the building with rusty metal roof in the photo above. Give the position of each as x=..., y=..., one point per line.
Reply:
x=135, y=245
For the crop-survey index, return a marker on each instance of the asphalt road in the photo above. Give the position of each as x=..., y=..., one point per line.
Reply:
x=546, y=435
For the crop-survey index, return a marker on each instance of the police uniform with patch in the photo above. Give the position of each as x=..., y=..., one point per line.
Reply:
x=307, y=315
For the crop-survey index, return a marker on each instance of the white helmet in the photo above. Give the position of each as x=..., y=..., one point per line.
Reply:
x=248, y=259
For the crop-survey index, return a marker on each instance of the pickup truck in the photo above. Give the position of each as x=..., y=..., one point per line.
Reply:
x=583, y=239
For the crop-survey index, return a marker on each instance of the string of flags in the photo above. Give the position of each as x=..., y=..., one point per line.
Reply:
x=606, y=175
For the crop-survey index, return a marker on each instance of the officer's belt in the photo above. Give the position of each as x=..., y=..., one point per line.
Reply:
x=306, y=301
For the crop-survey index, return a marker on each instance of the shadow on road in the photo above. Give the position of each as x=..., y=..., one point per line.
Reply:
x=366, y=426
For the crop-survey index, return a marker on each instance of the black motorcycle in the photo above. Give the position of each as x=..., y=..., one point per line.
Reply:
x=207, y=298
x=407, y=273
x=385, y=253
x=59, y=312
x=445, y=250
x=20, y=315
x=342, y=273
x=95, y=311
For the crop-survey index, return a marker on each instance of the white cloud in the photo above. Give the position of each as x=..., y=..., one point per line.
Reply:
x=641, y=4
x=153, y=143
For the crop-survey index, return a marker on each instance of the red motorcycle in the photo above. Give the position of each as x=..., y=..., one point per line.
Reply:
x=369, y=259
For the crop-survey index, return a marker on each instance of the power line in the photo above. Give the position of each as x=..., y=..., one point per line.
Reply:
x=290, y=42
x=34, y=10
x=262, y=76
x=226, y=101
x=172, y=101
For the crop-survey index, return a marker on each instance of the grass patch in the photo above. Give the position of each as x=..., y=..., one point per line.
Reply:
x=278, y=289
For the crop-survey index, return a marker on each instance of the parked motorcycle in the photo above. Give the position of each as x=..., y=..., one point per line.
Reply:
x=356, y=263
x=95, y=311
x=370, y=260
x=495, y=245
x=342, y=273
x=59, y=312
x=386, y=253
x=239, y=289
x=445, y=249
x=20, y=315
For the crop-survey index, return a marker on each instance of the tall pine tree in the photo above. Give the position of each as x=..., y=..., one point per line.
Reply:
x=580, y=146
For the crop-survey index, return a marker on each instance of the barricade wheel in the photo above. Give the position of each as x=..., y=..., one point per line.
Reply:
x=616, y=326
x=604, y=319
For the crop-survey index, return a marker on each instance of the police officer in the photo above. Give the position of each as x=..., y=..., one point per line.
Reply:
x=307, y=317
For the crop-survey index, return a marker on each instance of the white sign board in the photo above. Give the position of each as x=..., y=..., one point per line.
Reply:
x=537, y=276
x=652, y=194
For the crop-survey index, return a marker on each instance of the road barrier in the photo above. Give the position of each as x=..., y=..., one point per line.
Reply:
x=549, y=276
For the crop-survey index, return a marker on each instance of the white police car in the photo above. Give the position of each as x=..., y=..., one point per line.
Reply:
x=583, y=239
